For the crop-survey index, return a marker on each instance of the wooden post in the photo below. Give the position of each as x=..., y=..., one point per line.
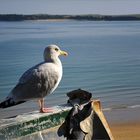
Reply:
x=96, y=105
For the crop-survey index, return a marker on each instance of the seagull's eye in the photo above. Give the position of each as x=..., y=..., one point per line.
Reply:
x=56, y=49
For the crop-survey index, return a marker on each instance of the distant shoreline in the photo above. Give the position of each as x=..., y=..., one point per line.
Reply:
x=91, y=17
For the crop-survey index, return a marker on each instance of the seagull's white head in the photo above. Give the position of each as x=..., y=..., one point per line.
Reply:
x=52, y=52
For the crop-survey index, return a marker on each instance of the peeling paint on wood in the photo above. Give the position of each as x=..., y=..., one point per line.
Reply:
x=32, y=122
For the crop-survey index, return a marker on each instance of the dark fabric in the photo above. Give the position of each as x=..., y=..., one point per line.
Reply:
x=82, y=123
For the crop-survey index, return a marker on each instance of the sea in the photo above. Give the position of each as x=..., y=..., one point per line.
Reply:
x=104, y=59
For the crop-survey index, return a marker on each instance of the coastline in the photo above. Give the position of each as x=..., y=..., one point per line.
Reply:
x=90, y=17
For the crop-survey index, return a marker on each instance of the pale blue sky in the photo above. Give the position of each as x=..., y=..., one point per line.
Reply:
x=70, y=6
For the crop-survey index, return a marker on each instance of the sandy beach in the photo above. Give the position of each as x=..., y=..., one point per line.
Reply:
x=126, y=131
x=124, y=123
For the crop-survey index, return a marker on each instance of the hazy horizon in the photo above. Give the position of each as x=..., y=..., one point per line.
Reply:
x=109, y=7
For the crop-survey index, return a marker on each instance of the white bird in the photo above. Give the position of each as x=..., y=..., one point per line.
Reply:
x=39, y=81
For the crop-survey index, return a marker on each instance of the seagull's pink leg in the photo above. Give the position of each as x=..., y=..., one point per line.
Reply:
x=42, y=108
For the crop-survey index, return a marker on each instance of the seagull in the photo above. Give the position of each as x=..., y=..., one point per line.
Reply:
x=38, y=81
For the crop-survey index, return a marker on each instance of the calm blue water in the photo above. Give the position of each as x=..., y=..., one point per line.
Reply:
x=104, y=58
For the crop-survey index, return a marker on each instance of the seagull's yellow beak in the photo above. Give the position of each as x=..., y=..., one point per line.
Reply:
x=63, y=53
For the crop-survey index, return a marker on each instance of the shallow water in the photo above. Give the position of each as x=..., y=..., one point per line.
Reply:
x=103, y=58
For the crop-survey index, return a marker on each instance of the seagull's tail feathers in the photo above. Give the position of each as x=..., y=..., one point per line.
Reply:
x=9, y=102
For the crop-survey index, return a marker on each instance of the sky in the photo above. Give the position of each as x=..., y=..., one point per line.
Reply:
x=110, y=7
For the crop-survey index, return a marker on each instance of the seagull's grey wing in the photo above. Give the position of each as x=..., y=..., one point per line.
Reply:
x=29, y=74
x=37, y=82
